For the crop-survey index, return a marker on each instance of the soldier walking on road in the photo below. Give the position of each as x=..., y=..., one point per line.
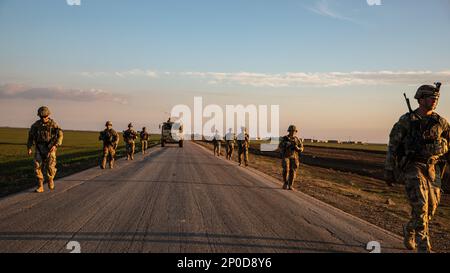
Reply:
x=144, y=140
x=129, y=137
x=217, y=142
x=243, y=142
x=110, y=140
x=230, y=141
x=417, y=155
x=290, y=148
x=46, y=136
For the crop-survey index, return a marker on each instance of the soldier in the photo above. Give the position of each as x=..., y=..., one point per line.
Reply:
x=144, y=139
x=110, y=140
x=46, y=136
x=217, y=142
x=417, y=153
x=230, y=141
x=130, y=136
x=290, y=147
x=243, y=142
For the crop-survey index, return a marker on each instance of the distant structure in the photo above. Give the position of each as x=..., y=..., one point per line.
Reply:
x=332, y=141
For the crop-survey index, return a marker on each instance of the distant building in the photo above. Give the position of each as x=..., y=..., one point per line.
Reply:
x=332, y=141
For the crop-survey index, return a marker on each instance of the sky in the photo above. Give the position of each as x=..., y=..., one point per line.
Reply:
x=337, y=69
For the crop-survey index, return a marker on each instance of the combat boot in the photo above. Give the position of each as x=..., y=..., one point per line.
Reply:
x=409, y=239
x=51, y=184
x=40, y=188
x=285, y=186
x=103, y=165
x=111, y=164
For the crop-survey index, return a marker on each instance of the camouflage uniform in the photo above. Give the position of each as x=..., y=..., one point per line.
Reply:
x=44, y=136
x=416, y=152
x=217, y=145
x=230, y=141
x=243, y=145
x=144, y=140
x=110, y=140
x=129, y=137
x=290, y=148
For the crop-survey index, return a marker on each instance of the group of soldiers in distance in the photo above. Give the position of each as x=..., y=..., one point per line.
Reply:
x=417, y=156
x=290, y=148
x=110, y=140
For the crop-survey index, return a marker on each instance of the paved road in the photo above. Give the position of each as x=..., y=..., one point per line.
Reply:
x=179, y=200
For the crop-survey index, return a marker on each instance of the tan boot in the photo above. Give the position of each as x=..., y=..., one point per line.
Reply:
x=409, y=239
x=51, y=184
x=103, y=165
x=40, y=188
x=111, y=164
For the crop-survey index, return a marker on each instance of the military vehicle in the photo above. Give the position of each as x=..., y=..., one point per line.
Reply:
x=171, y=132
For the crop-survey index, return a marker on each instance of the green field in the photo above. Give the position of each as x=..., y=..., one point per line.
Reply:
x=357, y=147
x=80, y=150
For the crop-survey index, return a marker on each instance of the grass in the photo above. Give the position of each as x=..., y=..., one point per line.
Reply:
x=357, y=147
x=361, y=147
x=80, y=151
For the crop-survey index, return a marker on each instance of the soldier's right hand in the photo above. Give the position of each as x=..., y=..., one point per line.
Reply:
x=389, y=177
x=30, y=152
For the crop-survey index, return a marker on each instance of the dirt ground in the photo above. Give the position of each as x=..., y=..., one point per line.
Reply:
x=361, y=195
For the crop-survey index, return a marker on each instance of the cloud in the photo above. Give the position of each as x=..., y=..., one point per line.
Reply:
x=122, y=74
x=16, y=91
x=294, y=79
x=322, y=8
x=331, y=79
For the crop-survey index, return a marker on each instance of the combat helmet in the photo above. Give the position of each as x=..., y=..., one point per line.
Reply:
x=108, y=123
x=130, y=125
x=428, y=91
x=43, y=112
x=292, y=128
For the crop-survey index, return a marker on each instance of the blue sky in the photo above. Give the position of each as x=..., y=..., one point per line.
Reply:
x=142, y=57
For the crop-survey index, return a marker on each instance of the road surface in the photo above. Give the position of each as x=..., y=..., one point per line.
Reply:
x=180, y=200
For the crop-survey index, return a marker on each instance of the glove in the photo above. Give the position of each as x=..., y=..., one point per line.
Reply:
x=389, y=177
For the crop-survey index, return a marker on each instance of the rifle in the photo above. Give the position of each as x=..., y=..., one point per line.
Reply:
x=42, y=154
x=438, y=86
x=50, y=145
x=410, y=138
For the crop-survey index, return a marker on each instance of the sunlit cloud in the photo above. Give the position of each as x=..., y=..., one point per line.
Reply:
x=293, y=79
x=122, y=74
x=19, y=91
x=331, y=79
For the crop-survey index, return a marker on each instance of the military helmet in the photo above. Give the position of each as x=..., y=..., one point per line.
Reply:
x=108, y=123
x=292, y=128
x=43, y=112
x=143, y=128
x=427, y=91
x=130, y=125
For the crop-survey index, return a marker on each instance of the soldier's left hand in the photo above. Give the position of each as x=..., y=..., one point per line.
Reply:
x=53, y=149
